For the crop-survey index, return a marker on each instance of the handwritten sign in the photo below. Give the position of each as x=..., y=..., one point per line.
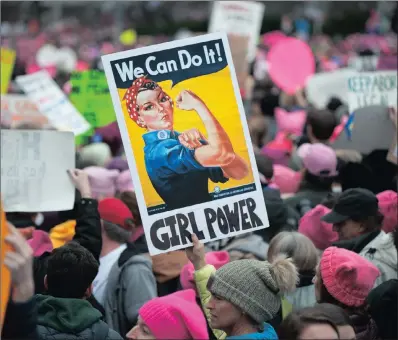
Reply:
x=7, y=65
x=322, y=86
x=34, y=168
x=16, y=107
x=42, y=90
x=238, y=18
x=372, y=88
x=90, y=95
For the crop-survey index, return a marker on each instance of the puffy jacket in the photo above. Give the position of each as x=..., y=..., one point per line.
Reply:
x=70, y=319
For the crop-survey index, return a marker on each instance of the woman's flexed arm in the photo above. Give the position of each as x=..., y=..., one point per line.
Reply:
x=219, y=151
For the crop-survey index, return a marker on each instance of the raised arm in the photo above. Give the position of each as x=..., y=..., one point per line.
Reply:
x=218, y=152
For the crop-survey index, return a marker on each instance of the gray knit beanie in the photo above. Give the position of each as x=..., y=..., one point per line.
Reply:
x=255, y=286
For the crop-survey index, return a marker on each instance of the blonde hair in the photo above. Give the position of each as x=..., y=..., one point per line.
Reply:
x=297, y=246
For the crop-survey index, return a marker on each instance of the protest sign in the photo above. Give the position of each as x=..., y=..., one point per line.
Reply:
x=291, y=64
x=5, y=277
x=323, y=86
x=241, y=18
x=6, y=67
x=16, y=107
x=34, y=166
x=242, y=22
x=186, y=141
x=90, y=95
x=372, y=88
x=372, y=130
x=51, y=101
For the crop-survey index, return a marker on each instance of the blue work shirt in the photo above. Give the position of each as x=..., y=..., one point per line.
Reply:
x=175, y=173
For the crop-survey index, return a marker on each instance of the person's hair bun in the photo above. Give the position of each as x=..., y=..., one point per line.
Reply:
x=285, y=273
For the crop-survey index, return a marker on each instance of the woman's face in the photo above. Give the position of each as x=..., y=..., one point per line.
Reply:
x=140, y=331
x=155, y=110
x=224, y=314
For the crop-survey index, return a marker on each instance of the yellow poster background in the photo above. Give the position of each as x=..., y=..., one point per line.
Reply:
x=217, y=91
x=7, y=65
x=5, y=277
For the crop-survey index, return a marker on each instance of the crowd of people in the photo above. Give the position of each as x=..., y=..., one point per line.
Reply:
x=325, y=268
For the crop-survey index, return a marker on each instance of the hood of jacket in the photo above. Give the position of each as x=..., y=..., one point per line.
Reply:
x=378, y=247
x=251, y=244
x=267, y=334
x=66, y=315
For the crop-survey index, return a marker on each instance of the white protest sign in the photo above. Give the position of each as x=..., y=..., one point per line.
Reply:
x=322, y=86
x=187, y=144
x=51, y=101
x=16, y=107
x=240, y=18
x=34, y=168
x=372, y=88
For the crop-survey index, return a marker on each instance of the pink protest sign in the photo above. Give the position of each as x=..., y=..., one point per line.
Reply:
x=291, y=63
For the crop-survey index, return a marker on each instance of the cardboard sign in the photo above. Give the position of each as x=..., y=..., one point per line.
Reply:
x=238, y=18
x=42, y=90
x=323, y=86
x=291, y=64
x=34, y=166
x=372, y=130
x=6, y=67
x=372, y=88
x=16, y=107
x=187, y=142
x=90, y=95
x=5, y=277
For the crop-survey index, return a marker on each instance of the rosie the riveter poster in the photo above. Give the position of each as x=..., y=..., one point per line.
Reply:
x=185, y=136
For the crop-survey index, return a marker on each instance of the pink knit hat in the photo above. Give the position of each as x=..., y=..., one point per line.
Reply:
x=287, y=180
x=318, y=231
x=388, y=206
x=347, y=276
x=40, y=243
x=102, y=181
x=175, y=316
x=215, y=258
x=290, y=122
x=319, y=159
x=124, y=182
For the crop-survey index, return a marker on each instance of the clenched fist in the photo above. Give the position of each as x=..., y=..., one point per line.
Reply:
x=187, y=100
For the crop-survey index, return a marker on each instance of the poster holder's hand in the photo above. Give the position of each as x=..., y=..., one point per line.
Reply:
x=81, y=182
x=196, y=253
x=19, y=261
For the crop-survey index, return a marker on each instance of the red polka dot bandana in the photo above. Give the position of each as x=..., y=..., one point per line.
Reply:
x=131, y=97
